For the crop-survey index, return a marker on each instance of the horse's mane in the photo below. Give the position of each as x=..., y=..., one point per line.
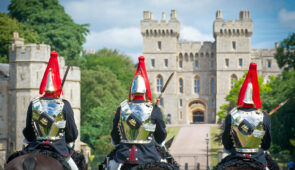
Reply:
x=239, y=163
x=166, y=155
x=42, y=152
x=155, y=166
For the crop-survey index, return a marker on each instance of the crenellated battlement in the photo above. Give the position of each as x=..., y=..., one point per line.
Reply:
x=18, y=51
x=155, y=28
x=263, y=52
x=241, y=27
x=196, y=46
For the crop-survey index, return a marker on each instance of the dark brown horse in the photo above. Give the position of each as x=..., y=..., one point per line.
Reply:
x=42, y=159
x=34, y=161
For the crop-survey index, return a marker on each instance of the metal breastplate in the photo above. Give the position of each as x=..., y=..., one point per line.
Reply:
x=47, y=119
x=135, y=124
x=247, y=130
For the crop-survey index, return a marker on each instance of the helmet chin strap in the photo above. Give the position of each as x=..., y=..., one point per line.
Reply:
x=138, y=97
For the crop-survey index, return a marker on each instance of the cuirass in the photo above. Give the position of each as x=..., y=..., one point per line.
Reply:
x=47, y=119
x=135, y=124
x=247, y=130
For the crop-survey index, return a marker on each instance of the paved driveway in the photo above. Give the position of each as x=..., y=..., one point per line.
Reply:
x=190, y=145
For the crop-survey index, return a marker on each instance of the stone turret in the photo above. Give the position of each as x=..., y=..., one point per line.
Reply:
x=167, y=31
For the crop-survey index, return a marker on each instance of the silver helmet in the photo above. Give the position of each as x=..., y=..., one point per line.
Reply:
x=49, y=83
x=138, y=85
x=249, y=93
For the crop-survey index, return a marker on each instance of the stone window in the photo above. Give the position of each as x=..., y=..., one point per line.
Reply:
x=268, y=63
x=159, y=45
x=180, y=102
x=197, y=85
x=180, y=115
x=180, y=63
x=212, y=84
x=234, y=45
x=213, y=103
x=180, y=85
x=233, y=80
x=197, y=64
x=227, y=62
x=153, y=62
x=159, y=83
x=212, y=64
x=240, y=62
x=166, y=62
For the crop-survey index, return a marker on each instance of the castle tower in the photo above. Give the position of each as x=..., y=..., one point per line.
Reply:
x=27, y=64
x=160, y=48
x=233, y=50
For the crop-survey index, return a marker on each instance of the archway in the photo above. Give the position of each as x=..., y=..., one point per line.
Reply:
x=198, y=112
x=198, y=116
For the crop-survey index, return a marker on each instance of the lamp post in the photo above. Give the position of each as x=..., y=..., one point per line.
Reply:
x=207, y=142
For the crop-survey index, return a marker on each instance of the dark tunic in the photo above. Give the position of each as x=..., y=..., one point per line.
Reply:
x=71, y=131
x=266, y=141
x=139, y=153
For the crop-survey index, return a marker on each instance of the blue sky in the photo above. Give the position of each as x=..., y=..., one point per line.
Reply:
x=116, y=23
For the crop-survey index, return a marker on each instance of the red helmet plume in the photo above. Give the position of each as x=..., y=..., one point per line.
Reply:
x=51, y=82
x=142, y=71
x=249, y=93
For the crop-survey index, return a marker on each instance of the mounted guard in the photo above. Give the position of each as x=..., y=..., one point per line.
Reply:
x=247, y=128
x=137, y=125
x=50, y=119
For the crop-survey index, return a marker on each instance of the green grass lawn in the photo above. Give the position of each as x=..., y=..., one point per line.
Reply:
x=214, y=146
x=172, y=131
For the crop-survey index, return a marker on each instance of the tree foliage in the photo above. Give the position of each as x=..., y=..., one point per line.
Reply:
x=54, y=26
x=105, y=82
x=283, y=126
x=285, y=54
x=9, y=25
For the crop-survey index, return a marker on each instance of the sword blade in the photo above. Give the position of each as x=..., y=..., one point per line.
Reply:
x=278, y=106
x=164, y=88
x=167, y=82
x=65, y=77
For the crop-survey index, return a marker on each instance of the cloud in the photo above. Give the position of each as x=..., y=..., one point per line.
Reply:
x=192, y=34
x=114, y=38
x=287, y=18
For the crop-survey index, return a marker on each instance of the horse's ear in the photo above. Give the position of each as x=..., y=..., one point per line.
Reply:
x=169, y=142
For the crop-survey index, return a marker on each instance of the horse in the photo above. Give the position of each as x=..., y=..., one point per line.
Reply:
x=241, y=164
x=42, y=159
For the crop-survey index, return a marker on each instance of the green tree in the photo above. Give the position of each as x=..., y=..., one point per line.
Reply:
x=105, y=81
x=283, y=126
x=9, y=25
x=101, y=94
x=56, y=28
x=285, y=54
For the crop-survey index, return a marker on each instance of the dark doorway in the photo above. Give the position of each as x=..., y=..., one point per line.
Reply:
x=198, y=116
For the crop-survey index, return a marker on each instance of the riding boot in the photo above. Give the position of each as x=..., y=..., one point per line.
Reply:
x=72, y=164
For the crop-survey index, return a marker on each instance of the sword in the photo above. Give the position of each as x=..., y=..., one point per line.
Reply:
x=277, y=107
x=65, y=77
x=164, y=88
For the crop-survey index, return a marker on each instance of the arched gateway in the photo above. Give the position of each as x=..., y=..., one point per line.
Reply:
x=197, y=110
